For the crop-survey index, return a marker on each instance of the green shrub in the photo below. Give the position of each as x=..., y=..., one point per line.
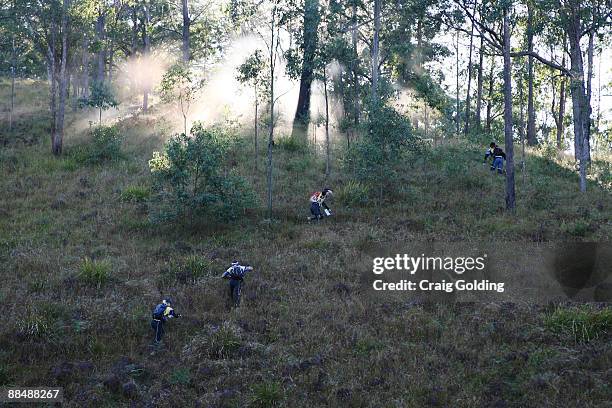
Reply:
x=189, y=269
x=266, y=395
x=190, y=180
x=180, y=376
x=34, y=326
x=291, y=144
x=353, y=194
x=95, y=273
x=577, y=228
x=583, y=323
x=106, y=144
x=135, y=194
x=214, y=343
x=375, y=159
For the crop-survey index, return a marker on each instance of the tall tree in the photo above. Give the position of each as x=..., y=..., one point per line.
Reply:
x=479, y=84
x=309, y=49
x=376, y=50
x=146, y=39
x=468, y=95
x=508, y=121
x=185, y=48
x=531, y=128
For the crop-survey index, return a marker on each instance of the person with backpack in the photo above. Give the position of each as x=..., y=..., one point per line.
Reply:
x=236, y=273
x=497, y=156
x=318, y=206
x=161, y=314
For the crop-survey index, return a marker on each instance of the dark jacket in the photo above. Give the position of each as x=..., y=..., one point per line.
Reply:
x=496, y=152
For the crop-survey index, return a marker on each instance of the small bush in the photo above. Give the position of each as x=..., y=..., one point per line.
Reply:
x=106, y=144
x=135, y=194
x=583, y=323
x=291, y=144
x=266, y=395
x=577, y=228
x=215, y=343
x=191, y=183
x=180, y=376
x=353, y=194
x=34, y=326
x=187, y=270
x=95, y=273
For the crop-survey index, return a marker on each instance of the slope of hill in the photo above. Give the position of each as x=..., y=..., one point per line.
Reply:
x=82, y=267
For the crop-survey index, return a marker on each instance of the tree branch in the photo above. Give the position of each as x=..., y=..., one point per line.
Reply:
x=543, y=61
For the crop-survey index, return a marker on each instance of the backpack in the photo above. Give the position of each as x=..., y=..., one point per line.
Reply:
x=237, y=273
x=158, y=312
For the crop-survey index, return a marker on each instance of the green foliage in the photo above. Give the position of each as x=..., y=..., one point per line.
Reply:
x=291, y=144
x=373, y=159
x=34, y=326
x=186, y=270
x=135, y=194
x=215, y=343
x=191, y=180
x=253, y=69
x=266, y=395
x=105, y=146
x=577, y=228
x=100, y=97
x=353, y=194
x=94, y=273
x=180, y=376
x=583, y=323
x=180, y=85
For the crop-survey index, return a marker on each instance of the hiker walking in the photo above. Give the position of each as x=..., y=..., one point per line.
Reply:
x=318, y=206
x=161, y=314
x=497, y=156
x=235, y=274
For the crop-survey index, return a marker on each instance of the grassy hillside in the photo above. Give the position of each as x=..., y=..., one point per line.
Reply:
x=82, y=267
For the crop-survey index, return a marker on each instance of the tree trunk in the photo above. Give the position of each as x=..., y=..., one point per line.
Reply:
x=271, y=126
x=490, y=93
x=479, y=86
x=531, y=130
x=85, y=73
x=354, y=64
x=457, y=95
x=52, y=72
x=509, y=142
x=101, y=38
x=309, y=47
x=468, y=95
x=327, y=151
x=75, y=89
x=59, y=136
x=147, y=49
x=256, y=124
x=375, y=50
x=580, y=108
x=13, y=74
x=522, y=123
x=559, y=115
x=186, y=27
x=589, y=88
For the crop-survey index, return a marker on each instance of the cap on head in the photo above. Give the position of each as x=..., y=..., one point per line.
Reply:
x=167, y=301
x=235, y=263
x=492, y=144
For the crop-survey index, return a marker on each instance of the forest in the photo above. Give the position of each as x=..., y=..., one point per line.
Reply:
x=146, y=145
